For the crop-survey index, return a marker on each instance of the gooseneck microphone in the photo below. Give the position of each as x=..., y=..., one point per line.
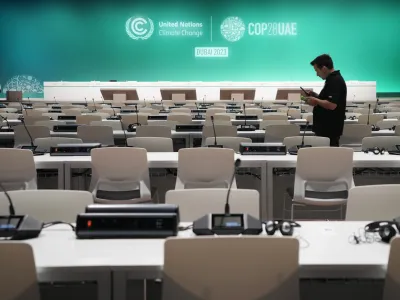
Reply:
x=244, y=112
x=369, y=111
x=86, y=105
x=11, y=207
x=198, y=116
x=304, y=134
x=137, y=116
x=94, y=104
x=227, y=207
x=246, y=127
x=376, y=110
x=287, y=112
x=215, y=134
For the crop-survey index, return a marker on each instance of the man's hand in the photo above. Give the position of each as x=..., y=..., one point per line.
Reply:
x=312, y=101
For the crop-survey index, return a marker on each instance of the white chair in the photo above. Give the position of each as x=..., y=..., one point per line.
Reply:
x=373, y=119
x=180, y=118
x=391, y=288
x=48, y=205
x=96, y=134
x=388, y=124
x=361, y=111
x=87, y=119
x=9, y=116
x=120, y=175
x=133, y=118
x=276, y=133
x=50, y=124
x=21, y=135
x=223, y=118
x=115, y=125
x=245, y=268
x=170, y=124
x=353, y=134
x=265, y=123
x=274, y=116
x=220, y=130
x=103, y=115
x=153, y=131
x=373, y=203
x=31, y=120
x=181, y=110
x=205, y=168
x=17, y=169
x=325, y=185
x=212, y=111
x=230, y=142
x=44, y=144
x=386, y=142
x=152, y=144
x=72, y=112
x=255, y=111
x=18, y=272
x=195, y=203
x=314, y=141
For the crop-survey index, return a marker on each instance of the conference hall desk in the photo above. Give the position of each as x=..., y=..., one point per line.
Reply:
x=47, y=162
x=266, y=163
x=209, y=91
x=325, y=254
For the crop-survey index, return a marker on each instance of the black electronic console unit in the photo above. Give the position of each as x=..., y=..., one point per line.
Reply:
x=227, y=224
x=128, y=221
x=157, y=117
x=19, y=227
x=246, y=117
x=66, y=128
x=188, y=128
x=81, y=149
x=6, y=130
x=262, y=149
x=66, y=118
x=246, y=127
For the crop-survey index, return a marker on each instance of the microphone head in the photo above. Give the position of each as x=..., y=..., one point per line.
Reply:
x=244, y=105
x=212, y=118
x=237, y=162
x=369, y=105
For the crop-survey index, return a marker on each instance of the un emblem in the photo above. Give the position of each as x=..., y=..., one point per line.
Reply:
x=233, y=29
x=139, y=28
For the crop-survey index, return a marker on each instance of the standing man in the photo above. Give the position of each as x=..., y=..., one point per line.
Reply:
x=330, y=105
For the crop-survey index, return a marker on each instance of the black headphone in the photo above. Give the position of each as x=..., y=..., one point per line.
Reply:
x=375, y=150
x=385, y=229
x=285, y=227
x=375, y=128
x=352, y=118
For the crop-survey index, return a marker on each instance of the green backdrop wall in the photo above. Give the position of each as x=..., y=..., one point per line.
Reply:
x=253, y=40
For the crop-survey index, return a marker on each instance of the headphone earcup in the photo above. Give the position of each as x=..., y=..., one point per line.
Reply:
x=387, y=233
x=286, y=228
x=270, y=227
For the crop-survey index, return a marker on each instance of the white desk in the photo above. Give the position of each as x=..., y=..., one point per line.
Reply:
x=52, y=162
x=325, y=252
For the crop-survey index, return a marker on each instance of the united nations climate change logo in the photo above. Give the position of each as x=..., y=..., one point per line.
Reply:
x=233, y=29
x=139, y=28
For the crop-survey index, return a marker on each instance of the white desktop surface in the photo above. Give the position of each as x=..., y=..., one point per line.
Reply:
x=325, y=252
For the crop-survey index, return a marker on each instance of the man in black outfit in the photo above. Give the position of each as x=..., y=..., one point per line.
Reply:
x=330, y=105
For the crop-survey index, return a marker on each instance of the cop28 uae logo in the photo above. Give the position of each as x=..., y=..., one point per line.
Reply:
x=139, y=28
x=233, y=29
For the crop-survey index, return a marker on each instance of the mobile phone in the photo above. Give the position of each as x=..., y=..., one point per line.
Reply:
x=307, y=93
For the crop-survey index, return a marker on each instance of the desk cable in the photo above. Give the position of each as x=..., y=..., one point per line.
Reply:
x=49, y=224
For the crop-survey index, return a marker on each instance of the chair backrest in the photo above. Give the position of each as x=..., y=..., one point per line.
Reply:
x=195, y=203
x=48, y=205
x=386, y=142
x=265, y=123
x=103, y=115
x=314, y=141
x=128, y=171
x=140, y=118
x=391, y=287
x=17, y=169
x=152, y=144
x=87, y=119
x=21, y=136
x=170, y=124
x=275, y=116
x=96, y=134
x=72, y=111
x=31, y=120
x=255, y=111
x=388, y=124
x=9, y=116
x=213, y=110
x=373, y=203
x=18, y=272
x=196, y=168
x=276, y=133
x=50, y=124
x=230, y=142
x=223, y=117
x=334, y=171
x=220, y=130
x=373, y=119
x=362, y=111
x=354, y=133
x=196, y=268
x=180, y=118
x=153, y=131
x=44, y=144
x=115, y=125
x=181, y=110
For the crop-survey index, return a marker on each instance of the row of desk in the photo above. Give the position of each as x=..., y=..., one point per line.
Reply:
x=326, y=252
x=164, y=160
